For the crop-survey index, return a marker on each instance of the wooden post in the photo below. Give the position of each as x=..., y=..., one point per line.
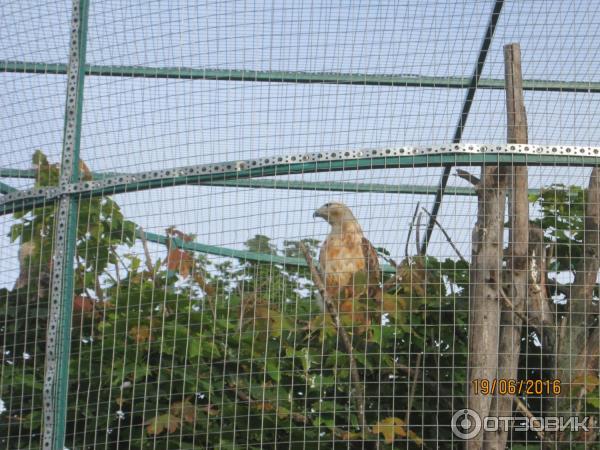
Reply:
x=486, y=282
x=485, y=294
x=516, y=277
x=516, y=117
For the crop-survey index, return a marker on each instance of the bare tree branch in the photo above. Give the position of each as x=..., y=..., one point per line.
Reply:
x=486, y=280
x=523, y=409
x=467, y=176
x=446, y=235
x=418, y=233
x=412, y=224
x=358, y=387
x=574, y=335
x=413, y=388
x=511, y=307
x=149, y=265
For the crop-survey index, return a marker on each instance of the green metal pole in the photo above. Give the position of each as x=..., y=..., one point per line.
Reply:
x=58, y=335
x=358, y=79
x=233, y=253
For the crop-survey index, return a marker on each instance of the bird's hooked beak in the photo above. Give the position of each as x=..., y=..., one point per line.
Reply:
x=321, y=212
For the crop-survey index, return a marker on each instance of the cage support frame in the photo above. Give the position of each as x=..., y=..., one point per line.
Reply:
x=66, y=196
x=272, y=76
x=302, y=163
x=58, y=333
x=218, y=174
x=462, y=119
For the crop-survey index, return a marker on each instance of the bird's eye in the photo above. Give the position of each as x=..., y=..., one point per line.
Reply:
x=327, y=205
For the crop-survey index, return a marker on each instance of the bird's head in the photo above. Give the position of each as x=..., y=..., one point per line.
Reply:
x=335, y=213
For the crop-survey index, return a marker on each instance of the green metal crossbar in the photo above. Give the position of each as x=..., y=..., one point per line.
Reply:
x=187, y=73
x=232, y=253
x=361, y=163
x=332, y=186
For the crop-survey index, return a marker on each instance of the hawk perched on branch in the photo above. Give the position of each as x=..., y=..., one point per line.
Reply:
x=345, y=255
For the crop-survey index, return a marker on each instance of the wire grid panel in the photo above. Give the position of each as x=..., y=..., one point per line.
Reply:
x=150, y=366
x=197, y=321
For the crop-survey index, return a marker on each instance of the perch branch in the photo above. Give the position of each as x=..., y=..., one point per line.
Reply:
x=413, y=388
x=517, y=262
x=412, y=224
x=510, y=305
x=446, y=235
x=523, y=409
x=119, y=260
x=392, y=280
x=149, y=266
x=469, y=177
x=418, y=233
x=358, y=387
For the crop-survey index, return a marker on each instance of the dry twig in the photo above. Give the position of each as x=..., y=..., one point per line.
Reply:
x=412, y=224
x=146, y=251
x=446, y=235
x=413, y=388
x=467, y=177
x=392, y=280
x=418, y=234
x=523, y=409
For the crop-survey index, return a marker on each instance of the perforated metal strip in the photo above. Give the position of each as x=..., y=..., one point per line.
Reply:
x=235, y=167
x=58, y=333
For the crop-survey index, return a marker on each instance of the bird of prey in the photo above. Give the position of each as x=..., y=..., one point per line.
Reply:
x=345, y=254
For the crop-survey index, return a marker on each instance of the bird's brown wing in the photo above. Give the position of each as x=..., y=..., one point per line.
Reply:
x=372, y=268
x=330, y=280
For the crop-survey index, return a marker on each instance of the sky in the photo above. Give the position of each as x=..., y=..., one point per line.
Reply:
x=139, y=124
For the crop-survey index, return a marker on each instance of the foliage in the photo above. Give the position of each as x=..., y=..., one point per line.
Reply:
x=188, y=352
x=562, y=216
x=562, y=219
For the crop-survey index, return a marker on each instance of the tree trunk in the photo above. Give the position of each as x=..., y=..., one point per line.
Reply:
x=516, y=276
x=486, y=282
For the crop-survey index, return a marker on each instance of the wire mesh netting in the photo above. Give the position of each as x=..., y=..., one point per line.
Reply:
x=312, y=225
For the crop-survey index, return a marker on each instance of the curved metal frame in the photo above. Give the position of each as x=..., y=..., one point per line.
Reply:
x=417, y=156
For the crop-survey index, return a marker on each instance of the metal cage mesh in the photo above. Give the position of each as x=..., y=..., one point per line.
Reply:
x=167, y=280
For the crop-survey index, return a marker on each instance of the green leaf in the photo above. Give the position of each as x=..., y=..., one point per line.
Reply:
x=261, y=244
x=16, y=231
